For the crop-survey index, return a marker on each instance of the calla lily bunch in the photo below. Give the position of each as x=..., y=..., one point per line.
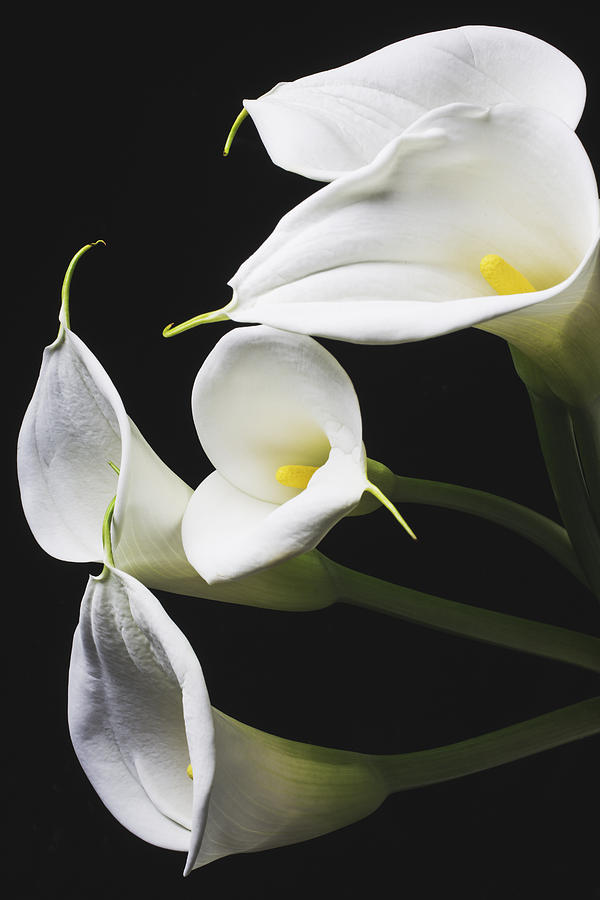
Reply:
x=458, y=195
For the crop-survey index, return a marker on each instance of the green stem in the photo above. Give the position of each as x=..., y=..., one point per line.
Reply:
x=106, y=538
x=539, y=529
x=65, y=316
x=233, y=131
x=485, y=625
x=586, y=427
x=559, y=446
x=216, y=315
x=565, y=453
x=571, y=723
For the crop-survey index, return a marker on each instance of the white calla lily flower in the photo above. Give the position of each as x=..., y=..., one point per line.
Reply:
x=326, y=124
x=182, y=775
x=279, y=419
x=76, y=426
x=173, y=770
x=139, y=713
x=431, y=237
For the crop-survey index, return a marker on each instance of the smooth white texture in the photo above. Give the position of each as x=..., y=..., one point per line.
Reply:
x=139, y=713
x=74, y=425
x=66, y=482
x=269, y=792
x=265, y=398
x=332, y=122
x=561, y=333
x=391, y=252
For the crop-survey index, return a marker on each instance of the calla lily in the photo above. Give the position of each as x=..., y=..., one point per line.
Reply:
x=423, y=241
x=326, y=124
x=279, y=419
x=185, y=776
x=75, y=425
x=171, y=769
x=176, y=772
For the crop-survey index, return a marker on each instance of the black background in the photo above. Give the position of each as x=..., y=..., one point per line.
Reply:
x=115, y=129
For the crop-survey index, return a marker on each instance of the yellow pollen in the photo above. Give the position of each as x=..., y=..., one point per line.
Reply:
x=503, y=277
x=189, y=772
x=295, y=476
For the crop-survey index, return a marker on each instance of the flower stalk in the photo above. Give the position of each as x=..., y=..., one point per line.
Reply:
x=488, y=626
x=554, y=729
x=569, y=459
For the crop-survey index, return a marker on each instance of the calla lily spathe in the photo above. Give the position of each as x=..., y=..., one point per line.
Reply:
x=326, y=124
x=392, y=251
x=181, y=774
x=140, y=715
x=74, y=426
x=266, y=400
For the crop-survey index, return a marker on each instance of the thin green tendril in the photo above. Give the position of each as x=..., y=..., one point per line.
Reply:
x=106, y=539
x=373, y=489
x=233, y=131
x=106, y=523
x=217, y=315
x=65, y=317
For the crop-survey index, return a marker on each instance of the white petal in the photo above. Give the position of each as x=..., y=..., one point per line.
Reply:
x=561, y=334
x=335, y=121
x=139, y=713
x=391, y=252
x=74, y=426
x=269, y=792
x=228, y=533
x=265, y=398
x=71, y=429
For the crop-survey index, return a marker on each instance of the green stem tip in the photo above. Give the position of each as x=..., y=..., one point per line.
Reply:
x=106, y=538
x=64, y=316
x=373, y=489
x=217, y=315
x=233, y=131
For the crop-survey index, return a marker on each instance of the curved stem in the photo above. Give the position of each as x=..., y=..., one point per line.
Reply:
x=65, y=317
x=537, y=528
x=217, y=315
x=571, y=723
x=586, y=428
x=559, y=446
x=565, y=454
x=233, y=131
x=106, y=537
x=540, y=639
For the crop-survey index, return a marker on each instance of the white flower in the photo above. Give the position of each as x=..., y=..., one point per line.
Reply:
x=74, y=426
x=185, y=776
x=176, y=772
x=392, y=251
x=279, y=419
x=326, y=124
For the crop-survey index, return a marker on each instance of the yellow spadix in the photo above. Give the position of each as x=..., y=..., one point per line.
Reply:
x=503, y=277
x=295, y=476
x=298, y=476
